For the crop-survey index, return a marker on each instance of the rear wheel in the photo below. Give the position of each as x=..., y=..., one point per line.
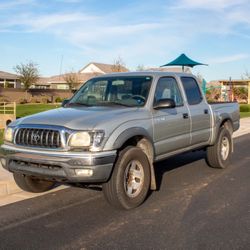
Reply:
x=129, y=183
x=30, y=184
x=219, y=155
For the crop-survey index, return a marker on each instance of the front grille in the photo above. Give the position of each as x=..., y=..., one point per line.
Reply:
x=45, y=138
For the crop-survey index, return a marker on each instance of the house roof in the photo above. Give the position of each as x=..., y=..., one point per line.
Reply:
x=7, y=75
x=106, y=68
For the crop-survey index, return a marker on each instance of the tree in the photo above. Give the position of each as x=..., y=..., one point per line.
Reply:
x=213, y=94
x=118, y=65
x=140, y=67
x=28, y=73
x=246, y=75
x=240, y=93
x=72, y=79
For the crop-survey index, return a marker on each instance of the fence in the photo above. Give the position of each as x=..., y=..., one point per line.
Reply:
x=7, y=113
x=33, y=95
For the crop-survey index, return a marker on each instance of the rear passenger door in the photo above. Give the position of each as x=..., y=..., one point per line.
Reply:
x=199, y=111
x=171, y=125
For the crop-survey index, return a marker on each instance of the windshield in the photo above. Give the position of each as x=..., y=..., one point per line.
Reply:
x=106, y=91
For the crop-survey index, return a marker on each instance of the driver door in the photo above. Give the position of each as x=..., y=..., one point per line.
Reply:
x=171, y=125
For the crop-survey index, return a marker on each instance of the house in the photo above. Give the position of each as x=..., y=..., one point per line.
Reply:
x=89, y=71
x=9, y=80
x=63, y=81
x=102, y=68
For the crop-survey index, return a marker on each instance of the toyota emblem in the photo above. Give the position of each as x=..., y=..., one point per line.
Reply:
x=35, y=137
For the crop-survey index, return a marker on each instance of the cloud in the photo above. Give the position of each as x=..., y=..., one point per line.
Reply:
x=56, y=20
x=69, y=1
x=217, y=5
x=10, y=4
x=45, y=22
x=228, y=59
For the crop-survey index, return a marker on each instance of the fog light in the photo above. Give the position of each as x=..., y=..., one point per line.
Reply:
x=84, y=172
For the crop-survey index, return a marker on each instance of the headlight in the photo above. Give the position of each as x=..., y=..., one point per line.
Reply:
x=8, y=134
x=86, y=139
x=80, y=139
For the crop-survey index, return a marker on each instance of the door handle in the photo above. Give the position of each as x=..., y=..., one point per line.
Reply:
x=205, y=111
x=185, y=115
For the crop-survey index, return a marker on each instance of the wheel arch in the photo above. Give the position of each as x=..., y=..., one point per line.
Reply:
x=227, y=123
x=8, y=122
x=140, y=138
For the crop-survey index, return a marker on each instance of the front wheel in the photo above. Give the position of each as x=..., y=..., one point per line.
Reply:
x=219, y=155
x=130, y=180
x=30, y=184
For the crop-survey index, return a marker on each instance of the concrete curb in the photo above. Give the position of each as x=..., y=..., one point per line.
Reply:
x=8, y=187
x=10, y=192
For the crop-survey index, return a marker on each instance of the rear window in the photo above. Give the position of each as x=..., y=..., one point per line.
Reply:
x=192, y=90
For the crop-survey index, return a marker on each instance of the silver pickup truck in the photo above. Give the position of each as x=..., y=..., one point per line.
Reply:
x=113, y=130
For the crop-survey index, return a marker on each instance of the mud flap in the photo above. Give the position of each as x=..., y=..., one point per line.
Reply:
x=153, y=180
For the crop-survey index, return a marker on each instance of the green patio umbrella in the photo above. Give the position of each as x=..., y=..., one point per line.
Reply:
x=183, y=61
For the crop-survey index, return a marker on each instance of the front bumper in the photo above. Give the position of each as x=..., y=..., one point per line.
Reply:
x=59, y=166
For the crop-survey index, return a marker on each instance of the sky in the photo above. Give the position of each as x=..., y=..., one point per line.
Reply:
x=65, y=35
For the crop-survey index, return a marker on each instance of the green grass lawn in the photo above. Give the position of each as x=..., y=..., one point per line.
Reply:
x=244, y=114
x=1, y=136
x=244, y=110
x=30, y=109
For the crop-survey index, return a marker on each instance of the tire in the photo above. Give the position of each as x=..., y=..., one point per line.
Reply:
x=219, y=155
x=29, y=184
x=130, y=180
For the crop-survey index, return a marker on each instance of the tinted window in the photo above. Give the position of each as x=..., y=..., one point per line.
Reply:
x=192, y=90
x=167, y=88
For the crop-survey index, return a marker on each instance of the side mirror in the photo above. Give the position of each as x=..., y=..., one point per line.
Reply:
x=165, y=104
x=64, y=102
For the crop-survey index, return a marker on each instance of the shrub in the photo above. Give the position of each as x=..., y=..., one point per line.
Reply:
x=35, y=100
x=245, y=108
x=44, y=100
x=58, y=99
x=4, y=99
x=23, y=101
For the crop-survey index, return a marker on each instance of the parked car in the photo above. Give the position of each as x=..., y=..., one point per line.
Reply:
x=113, y=130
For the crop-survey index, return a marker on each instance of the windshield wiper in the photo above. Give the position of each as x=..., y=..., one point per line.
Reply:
x=114, y=103
x=78, y=104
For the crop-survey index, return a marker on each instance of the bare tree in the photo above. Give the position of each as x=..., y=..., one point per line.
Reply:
x=246, y=75
x=72, y=79
x=28, y=73
x=118, y=65
x=140, y=67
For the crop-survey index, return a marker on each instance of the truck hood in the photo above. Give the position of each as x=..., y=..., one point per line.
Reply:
x=80, y=118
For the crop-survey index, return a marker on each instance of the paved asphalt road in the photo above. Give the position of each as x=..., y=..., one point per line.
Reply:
x=196, y=207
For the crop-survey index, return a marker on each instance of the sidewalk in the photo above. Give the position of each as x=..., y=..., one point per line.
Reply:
x=244, y=127
x=10, y=193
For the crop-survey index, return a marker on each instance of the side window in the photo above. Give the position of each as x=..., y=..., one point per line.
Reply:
x=192, y=90
x=167, y=88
